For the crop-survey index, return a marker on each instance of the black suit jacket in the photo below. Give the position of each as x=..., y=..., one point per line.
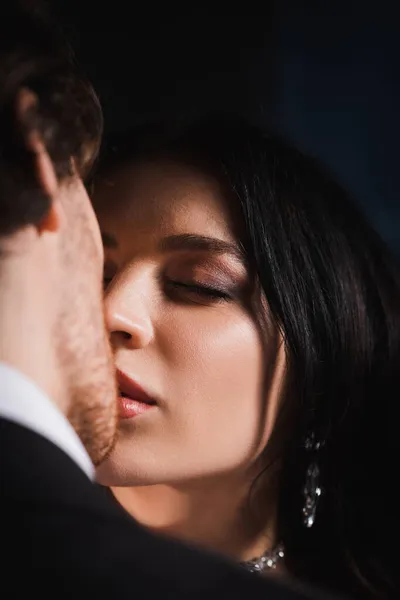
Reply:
x=61, y=536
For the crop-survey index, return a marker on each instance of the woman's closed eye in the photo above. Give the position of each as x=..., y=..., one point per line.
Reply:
x=183, y=288
x=206, y=292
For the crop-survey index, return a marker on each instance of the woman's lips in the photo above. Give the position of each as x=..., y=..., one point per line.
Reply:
x=129, y=408
x=133, y=400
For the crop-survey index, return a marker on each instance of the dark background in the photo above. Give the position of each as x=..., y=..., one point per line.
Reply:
x=323, y=73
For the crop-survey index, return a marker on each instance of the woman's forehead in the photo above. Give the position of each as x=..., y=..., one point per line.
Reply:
x=167, y=196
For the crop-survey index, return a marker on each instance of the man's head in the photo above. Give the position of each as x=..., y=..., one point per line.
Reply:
x=51, y=260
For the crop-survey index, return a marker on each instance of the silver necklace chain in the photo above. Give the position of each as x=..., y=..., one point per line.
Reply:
x=267, y=561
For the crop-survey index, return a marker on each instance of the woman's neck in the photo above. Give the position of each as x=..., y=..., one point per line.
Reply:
x=215, y=515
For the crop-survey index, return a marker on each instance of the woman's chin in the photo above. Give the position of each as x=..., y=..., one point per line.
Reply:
x=111, y=473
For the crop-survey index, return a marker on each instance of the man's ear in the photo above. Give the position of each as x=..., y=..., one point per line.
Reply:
x=26, y=104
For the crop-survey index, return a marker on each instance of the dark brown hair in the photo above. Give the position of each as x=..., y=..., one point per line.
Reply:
x=35, y=55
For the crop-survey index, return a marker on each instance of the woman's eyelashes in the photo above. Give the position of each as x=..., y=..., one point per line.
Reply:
x=205, y=292
x=186, y=286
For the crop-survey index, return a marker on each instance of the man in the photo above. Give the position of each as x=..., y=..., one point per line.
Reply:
x=60, y=535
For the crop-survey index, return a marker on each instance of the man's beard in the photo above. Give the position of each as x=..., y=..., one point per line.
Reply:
x=87, y=369
x=91, y=414
x=84, y=352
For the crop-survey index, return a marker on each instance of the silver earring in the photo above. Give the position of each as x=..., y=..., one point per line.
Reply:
x=312, y=490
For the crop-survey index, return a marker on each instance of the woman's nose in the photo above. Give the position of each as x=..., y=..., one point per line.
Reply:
x=128, y=322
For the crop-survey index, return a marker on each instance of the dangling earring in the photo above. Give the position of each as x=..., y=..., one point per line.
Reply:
x=312, y=490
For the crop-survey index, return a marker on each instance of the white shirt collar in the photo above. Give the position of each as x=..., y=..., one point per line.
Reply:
x=23, y=402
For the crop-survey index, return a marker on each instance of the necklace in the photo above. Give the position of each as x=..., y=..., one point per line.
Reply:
x=268, y=560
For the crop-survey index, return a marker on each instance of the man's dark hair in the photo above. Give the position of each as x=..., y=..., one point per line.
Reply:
x=35, y=55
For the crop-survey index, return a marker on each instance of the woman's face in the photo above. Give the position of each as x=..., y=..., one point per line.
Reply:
x=178, y=310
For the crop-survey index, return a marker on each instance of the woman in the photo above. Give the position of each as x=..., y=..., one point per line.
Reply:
x=255, y=321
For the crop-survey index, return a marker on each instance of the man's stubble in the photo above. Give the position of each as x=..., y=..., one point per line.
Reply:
x=83, y=346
